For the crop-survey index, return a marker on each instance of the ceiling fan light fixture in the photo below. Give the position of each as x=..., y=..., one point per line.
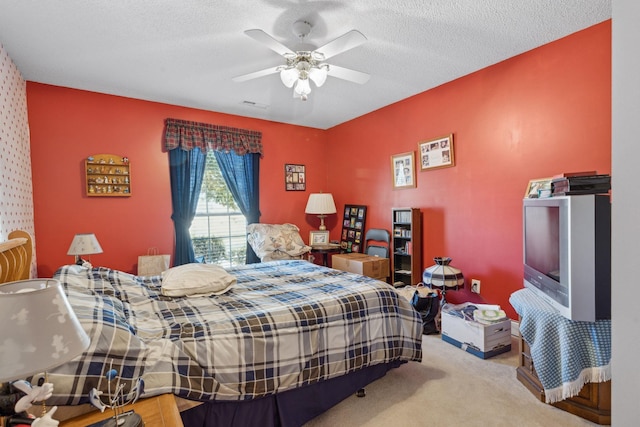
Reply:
x=319, y=74
x=289, y=76
x=307, y=61
x=303, y=65
x=302, y=88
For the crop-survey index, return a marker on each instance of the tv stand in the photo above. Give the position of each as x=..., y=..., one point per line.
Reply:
x=559, y=353
x=592, y=403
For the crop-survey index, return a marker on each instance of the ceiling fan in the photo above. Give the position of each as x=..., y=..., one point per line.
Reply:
x=307, y=63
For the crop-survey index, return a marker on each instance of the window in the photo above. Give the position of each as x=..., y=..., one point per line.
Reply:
x=219, y=229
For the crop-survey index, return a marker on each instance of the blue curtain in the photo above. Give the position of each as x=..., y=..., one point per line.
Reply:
x=186, y=173
x=238, y=152
x=241, y=174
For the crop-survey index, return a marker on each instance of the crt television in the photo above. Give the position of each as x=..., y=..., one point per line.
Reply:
x=567, y=254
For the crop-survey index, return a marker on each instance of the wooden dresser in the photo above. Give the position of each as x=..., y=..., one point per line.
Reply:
x=592, y=403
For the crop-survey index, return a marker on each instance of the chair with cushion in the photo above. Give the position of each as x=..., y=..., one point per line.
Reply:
x=372, y=240
x=273, y=242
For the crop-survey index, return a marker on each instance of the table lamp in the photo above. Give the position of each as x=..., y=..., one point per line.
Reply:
x=39, y=329
x=84, y=244
x=443, y=276
x=320, y=204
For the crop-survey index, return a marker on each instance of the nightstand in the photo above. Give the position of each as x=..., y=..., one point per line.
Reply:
x=325, y=250
x=155, y=411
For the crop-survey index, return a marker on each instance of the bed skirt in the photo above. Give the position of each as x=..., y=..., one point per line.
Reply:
x=291, y=408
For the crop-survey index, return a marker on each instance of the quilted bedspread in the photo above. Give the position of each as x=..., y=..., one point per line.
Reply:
x=566, y=354
x=284, y=325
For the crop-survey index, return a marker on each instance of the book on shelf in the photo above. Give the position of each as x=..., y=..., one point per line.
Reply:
x=408, y=248
x=403, y=216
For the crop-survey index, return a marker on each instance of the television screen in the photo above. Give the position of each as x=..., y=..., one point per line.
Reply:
x=542, y=240
x=542, y=251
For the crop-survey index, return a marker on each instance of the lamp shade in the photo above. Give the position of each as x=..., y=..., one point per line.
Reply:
x=442, y=275
x=84, y=244
x=302, y=87
x=318, y=75
x=39, y=328
x=289, y=76
x=320, y=204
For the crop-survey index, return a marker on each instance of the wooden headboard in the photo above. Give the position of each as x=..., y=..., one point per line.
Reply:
x=15, y=257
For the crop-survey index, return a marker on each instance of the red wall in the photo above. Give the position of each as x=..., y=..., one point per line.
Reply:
x=541, y=113
x=533, y=116
x=69, y=125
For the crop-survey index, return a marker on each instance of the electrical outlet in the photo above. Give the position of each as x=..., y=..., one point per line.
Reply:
x=475, y=286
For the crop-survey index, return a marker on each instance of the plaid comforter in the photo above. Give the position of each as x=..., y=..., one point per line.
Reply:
x=284, y=325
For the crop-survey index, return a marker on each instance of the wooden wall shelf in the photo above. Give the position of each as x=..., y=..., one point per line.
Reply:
x=108, y=175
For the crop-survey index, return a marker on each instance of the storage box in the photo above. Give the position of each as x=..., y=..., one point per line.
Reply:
x=367, y=265
x=481, y=340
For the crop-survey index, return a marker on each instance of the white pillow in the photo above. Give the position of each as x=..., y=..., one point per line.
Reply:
x=196, y=279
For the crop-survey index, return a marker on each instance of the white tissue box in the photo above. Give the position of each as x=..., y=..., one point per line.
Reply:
x=481, y=340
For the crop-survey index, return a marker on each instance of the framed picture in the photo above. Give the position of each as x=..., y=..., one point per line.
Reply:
x=436, y=153
x=318, y=238
x=403, y=170
x=352, y=228
x=536, y=187
x=295, y=178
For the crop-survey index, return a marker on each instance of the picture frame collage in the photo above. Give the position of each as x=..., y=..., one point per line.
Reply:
x=295, y=177
x=432, y=154
x=436, y=153
x=353, y=222
x=404, y=170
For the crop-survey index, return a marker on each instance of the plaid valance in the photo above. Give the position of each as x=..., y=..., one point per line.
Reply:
x=188, y=135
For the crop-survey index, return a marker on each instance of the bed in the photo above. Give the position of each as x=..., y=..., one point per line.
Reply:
x=15, y=257
x=289, y=340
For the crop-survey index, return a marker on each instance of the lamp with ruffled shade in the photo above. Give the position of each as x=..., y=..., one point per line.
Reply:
x=443, y=276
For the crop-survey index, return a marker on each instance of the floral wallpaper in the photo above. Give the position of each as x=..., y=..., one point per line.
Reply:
x=16, y=191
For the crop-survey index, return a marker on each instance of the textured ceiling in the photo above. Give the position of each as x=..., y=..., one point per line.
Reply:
x=187, y=52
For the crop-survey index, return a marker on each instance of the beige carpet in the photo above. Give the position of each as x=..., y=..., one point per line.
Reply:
x=449, y=388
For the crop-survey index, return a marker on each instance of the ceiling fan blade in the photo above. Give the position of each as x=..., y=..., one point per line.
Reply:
x=353, y=38
x=270, y=42
x=256, y=74
x=348, y=74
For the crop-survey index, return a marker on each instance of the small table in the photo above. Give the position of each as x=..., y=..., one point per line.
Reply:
x=155, y=411
x=325, y=250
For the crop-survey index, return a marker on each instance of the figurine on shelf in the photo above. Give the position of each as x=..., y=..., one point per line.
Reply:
x=116, y=399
